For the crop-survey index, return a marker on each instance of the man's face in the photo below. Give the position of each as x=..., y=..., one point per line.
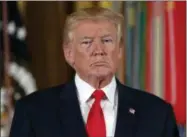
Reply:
x=94, y=50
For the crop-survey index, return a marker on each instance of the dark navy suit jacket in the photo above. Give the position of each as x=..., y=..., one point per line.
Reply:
x=55, y=112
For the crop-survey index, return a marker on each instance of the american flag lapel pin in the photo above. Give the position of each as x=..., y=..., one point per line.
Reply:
x=132, y=111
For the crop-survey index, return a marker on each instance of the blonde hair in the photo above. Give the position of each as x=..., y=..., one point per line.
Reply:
x=95, y=14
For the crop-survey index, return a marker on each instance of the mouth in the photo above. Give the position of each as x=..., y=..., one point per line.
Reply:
x=100, y=63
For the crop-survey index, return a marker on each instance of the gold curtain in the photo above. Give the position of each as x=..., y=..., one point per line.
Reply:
x=44, y=22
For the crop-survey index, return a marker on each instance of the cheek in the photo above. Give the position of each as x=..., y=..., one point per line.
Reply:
x=79, y=53
x=81, y=57
x=115, y=57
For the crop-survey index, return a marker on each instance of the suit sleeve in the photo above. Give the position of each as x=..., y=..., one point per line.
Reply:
x=171, y=129
x=21, y=124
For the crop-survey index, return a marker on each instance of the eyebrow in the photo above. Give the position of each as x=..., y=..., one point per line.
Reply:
x=107, y=35
x=86, y=37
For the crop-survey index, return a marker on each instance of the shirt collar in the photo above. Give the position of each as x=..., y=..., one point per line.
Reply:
x=85, y=90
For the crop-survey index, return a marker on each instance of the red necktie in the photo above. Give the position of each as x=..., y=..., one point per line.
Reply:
x=96, y=122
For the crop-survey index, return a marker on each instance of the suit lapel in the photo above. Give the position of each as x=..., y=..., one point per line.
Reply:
x=71, y=120
x=70, y=114
x=126, y=113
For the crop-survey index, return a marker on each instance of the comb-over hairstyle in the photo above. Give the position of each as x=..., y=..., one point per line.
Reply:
x=94, y=14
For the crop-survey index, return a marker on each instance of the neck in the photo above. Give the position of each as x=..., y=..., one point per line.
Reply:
x=98, y=82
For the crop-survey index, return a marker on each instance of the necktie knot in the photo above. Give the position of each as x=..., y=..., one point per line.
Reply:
x=98, y=95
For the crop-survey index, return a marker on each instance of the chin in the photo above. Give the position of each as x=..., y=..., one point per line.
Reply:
x=101, y=73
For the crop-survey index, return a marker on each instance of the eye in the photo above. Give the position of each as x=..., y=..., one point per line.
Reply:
x=107, y=40
x=86, y=42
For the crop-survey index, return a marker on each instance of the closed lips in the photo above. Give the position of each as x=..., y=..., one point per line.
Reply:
x=99, y=63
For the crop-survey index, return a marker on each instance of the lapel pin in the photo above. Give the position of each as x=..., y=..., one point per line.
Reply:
x=132, y=111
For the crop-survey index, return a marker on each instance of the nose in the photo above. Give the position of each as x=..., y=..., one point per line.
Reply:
x=98, y=48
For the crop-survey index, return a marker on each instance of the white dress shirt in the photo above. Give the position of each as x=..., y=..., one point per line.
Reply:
x=109, y=105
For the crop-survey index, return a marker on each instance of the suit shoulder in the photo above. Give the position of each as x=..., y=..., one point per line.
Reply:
x=42, y=95
x=146, y=98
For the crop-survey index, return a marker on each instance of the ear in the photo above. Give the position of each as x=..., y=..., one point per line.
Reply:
x=121, y=48
x=69, y=54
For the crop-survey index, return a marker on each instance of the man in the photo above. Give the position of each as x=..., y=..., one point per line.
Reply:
x=95, y=103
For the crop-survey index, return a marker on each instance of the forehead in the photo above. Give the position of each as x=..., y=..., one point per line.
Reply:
x=94, y=28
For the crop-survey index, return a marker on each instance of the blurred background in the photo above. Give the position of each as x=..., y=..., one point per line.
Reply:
x=31, y=56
